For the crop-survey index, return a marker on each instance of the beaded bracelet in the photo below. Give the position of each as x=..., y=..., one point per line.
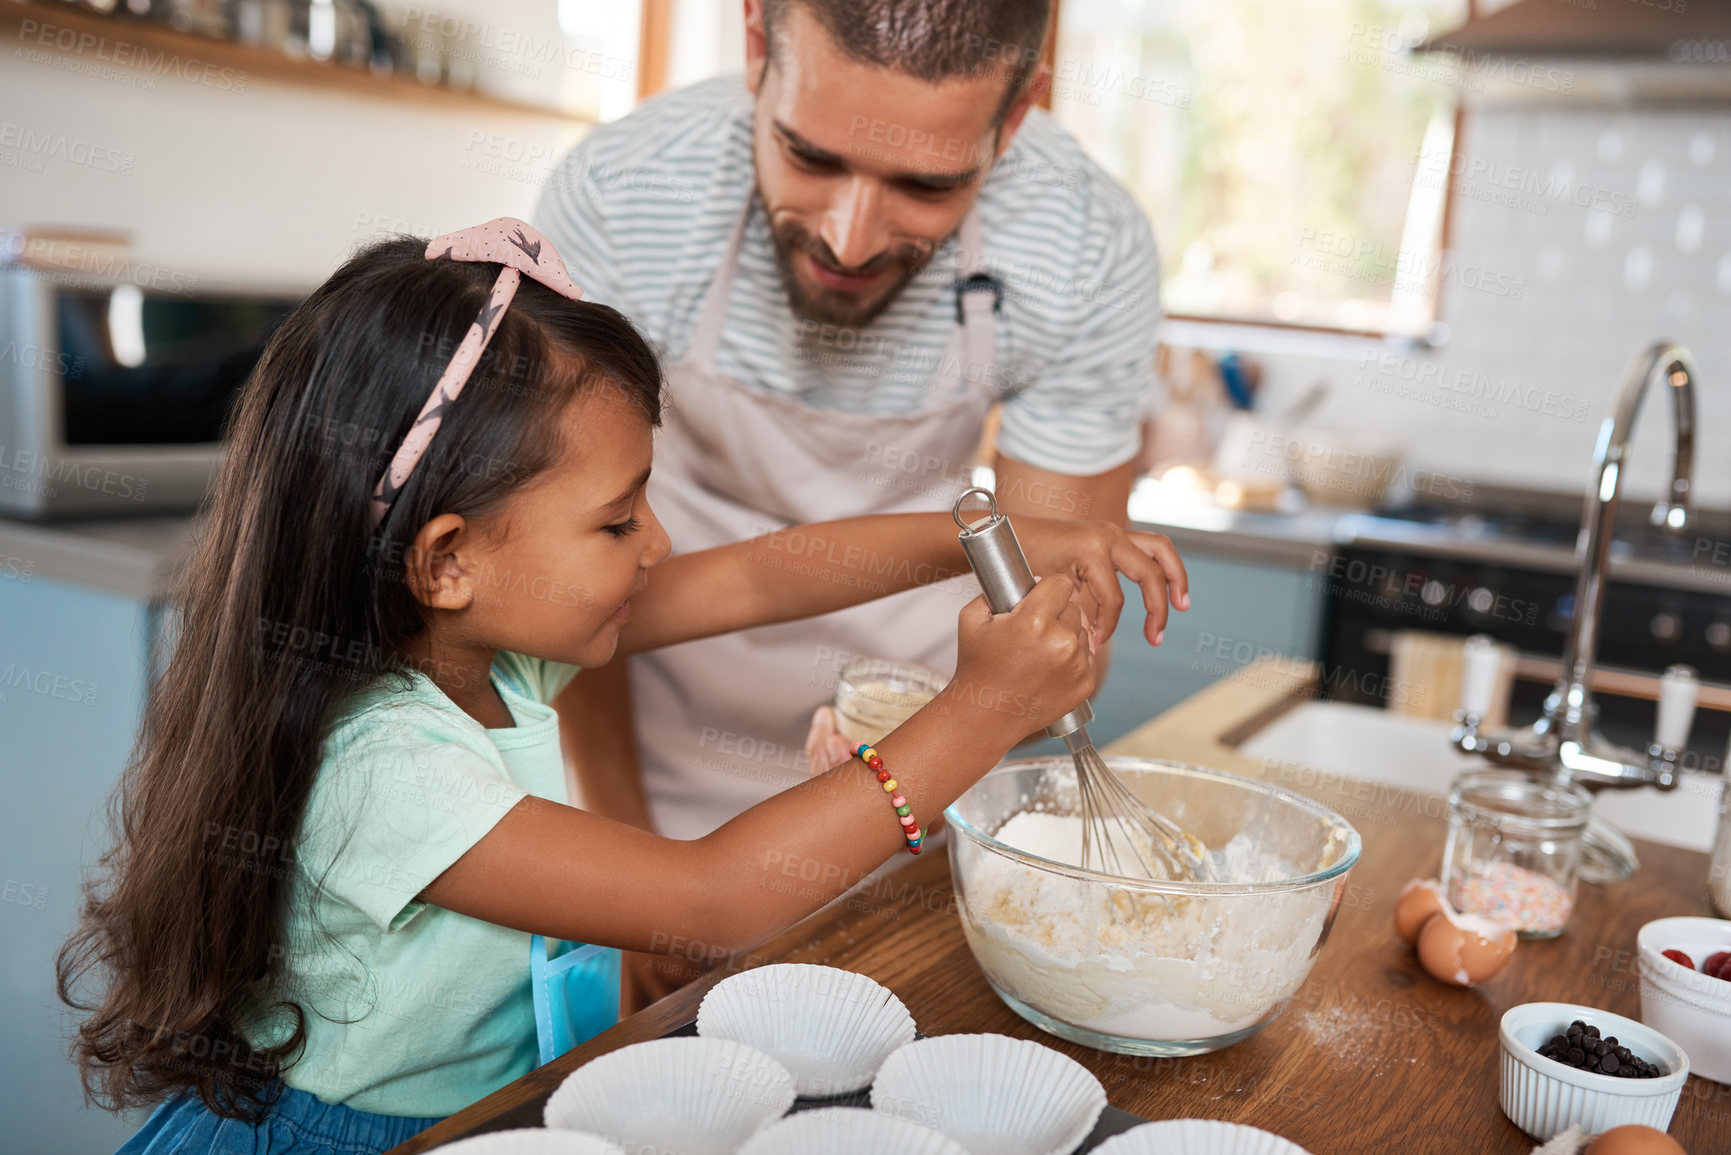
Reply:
x=904, y=812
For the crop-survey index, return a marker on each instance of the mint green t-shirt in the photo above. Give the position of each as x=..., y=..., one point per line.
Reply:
x=413, y=1009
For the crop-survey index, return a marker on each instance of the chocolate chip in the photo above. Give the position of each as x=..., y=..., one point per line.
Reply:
x=1581, y=1046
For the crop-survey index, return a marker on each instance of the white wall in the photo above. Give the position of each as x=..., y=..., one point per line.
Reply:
x=274, y=183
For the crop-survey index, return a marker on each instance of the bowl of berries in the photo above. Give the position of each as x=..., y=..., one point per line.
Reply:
x=1685, y=966
x=1565, y=1065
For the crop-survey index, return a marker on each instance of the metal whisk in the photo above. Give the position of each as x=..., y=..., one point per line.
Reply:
x=1121, y=834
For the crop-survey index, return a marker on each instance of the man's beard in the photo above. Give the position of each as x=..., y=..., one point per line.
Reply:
x=836, y=306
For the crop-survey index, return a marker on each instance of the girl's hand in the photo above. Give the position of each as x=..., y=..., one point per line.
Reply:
x=1030, y=666
x=1094, y=553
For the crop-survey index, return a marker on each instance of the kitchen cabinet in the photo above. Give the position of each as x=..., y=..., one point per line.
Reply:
x=1240, y=610
x=73, y=676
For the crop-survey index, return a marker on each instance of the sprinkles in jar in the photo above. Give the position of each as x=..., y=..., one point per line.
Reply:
x=1514, y=849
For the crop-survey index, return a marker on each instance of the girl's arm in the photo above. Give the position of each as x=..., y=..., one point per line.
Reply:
x=558, y=871
x=813, y=569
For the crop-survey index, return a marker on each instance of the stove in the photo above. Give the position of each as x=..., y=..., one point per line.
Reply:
x=1508, y=569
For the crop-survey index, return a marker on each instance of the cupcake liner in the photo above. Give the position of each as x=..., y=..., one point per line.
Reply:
x=848, y=1131
x=533, y=1141
x=679, y=1096
x=992, y=1094
x=1198, y=1137
x=832, y=1028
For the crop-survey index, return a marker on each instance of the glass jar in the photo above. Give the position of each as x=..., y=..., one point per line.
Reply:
x=1514, y=849
x=875, y=695
x=1719, y=873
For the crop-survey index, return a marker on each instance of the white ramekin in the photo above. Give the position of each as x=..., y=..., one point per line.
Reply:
x=1693, y=1008
x=1543, y=1097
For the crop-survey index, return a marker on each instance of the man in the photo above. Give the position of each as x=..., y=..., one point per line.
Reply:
x=848, y=259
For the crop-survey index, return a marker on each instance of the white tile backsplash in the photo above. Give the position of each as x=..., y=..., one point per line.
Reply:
x=1595, y=287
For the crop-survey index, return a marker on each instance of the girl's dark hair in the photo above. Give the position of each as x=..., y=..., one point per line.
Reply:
x=292, y=601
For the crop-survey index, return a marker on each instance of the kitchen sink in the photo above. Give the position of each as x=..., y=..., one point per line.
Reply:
x=1374, y=745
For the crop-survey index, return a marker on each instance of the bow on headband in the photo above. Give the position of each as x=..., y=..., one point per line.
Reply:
x=522, y=250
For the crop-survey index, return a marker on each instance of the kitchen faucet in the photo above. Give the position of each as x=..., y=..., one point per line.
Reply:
x=1563, y=743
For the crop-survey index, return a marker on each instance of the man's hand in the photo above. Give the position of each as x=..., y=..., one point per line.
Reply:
x=1093, y=554
x=824, y=745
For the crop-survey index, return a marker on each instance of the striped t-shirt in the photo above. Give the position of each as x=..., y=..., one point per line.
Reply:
x=643, y=208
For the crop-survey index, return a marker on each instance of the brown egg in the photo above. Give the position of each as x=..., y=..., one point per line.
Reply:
x=1463, y=949
x=1419, y=899
x=1634, y=1139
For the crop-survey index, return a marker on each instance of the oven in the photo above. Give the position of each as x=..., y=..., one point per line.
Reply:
x=1665, y=604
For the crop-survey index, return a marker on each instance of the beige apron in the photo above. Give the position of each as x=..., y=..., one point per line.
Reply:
x=721, y=723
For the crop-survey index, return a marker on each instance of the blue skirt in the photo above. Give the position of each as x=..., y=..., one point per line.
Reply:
x=297, y=1124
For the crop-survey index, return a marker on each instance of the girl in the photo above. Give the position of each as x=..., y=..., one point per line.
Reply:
x=346, y=815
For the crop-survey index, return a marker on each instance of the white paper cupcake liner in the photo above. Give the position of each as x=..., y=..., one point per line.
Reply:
x=992, y=1094
x=678, y=1096
x=832, y=1028
x=1197, y=1137
x=848, y=1131
x=533, y=1141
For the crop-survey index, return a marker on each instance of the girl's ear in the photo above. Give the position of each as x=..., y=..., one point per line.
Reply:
x=434, y=567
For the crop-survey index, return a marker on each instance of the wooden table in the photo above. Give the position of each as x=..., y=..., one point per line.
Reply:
x=1371, y=1055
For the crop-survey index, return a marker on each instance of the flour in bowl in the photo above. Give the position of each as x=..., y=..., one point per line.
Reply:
x=1137, y=965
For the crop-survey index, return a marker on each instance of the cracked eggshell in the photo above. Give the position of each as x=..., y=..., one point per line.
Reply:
x=1419, y=900
x=1463, y=949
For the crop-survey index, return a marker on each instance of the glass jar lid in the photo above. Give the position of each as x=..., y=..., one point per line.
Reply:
x=1512, y=797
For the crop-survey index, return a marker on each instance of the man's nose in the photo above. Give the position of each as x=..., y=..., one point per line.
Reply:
x=853, y=228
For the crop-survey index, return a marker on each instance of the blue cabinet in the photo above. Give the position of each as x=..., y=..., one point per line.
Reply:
x=1240, y=611
x=73, y=665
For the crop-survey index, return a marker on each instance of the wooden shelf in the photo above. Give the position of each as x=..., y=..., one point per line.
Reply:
x=118, y=41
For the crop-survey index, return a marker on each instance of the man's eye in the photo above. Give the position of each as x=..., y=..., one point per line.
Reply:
x=814, y=163
x=928, y=191
x=624, y=528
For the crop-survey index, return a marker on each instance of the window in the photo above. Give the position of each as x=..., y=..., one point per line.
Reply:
x=600, y=79
x=1276, y=147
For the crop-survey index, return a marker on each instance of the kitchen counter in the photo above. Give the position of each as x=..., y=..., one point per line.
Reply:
x=1371, y=1055
x=136, y=557
x=1289, y=539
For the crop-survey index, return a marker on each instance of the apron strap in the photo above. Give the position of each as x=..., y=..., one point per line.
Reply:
x=576, y=995
x=508, y=681
x=712, y=313
x=967, y=364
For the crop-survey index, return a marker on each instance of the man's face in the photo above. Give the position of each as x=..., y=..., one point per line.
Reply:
x=864, y=171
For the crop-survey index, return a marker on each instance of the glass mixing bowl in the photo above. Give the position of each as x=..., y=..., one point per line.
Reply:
x=1134, y=965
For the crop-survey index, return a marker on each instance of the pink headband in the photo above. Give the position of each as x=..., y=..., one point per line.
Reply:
x=506, y=241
